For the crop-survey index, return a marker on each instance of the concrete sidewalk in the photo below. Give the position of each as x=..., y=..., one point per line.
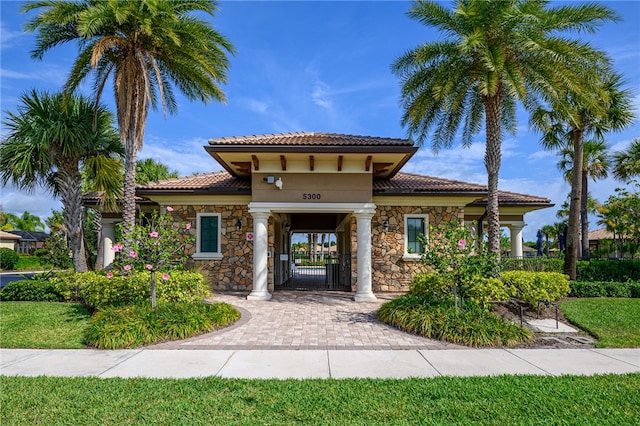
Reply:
x=306, y=364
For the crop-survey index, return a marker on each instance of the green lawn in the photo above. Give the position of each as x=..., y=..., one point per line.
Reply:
x=614, y=321
x=42, y=325
x=30, y=263
x=505, y=400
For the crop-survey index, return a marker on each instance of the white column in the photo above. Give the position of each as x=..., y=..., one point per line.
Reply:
x=516, y=240
x=363, y=223
x=108, y=238
x=260, y=256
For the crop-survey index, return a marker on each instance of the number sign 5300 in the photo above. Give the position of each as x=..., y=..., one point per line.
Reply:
x=310, y=196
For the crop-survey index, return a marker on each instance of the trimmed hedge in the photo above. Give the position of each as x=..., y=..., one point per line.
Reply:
x=33, y=291
x=99, y=292
x=586, y=270
x=534, y=287
x=605, y=289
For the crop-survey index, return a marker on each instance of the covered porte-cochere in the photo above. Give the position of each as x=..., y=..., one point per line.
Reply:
x=336, y=273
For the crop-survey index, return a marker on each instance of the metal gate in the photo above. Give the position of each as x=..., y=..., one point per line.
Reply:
x=331, y=273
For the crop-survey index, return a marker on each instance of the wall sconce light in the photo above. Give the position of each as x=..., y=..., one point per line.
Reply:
x=239, y=224
x=287, y=227
x=385, y=226
x=279, y=183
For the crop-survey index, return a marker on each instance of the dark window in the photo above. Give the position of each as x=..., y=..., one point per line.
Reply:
x=415, y=228
x=209, y=234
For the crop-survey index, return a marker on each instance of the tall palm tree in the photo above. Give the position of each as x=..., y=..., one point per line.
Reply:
x=47, y=140
x=496, y=53
x=627, y=163
x=148, y=48
x=595, y=165
x=567, y=122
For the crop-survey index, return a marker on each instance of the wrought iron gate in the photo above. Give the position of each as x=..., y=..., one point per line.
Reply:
x=332, y=273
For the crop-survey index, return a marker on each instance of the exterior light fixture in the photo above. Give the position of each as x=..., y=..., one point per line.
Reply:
x=239, y=224
x=279, y=183
x=385, y=226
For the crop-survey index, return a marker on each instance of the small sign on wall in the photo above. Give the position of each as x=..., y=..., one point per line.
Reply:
x=284, y=257
x=249, y=236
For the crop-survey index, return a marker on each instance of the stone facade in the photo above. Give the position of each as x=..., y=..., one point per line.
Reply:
x=234, y=271
x=390, y=271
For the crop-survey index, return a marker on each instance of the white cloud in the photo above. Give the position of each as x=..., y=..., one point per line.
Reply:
x=186, y=157
x=38, y=202
x=320, y=95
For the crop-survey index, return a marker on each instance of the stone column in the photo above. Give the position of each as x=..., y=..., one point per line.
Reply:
x=516, y=240
x=260, y=256
x=108, y=238
x=363, y=232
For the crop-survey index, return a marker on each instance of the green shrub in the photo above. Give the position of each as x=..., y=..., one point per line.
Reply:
x=534, y=264
x=132, y=326
x=534, y=287
x=482, y=290
x=604, y=289
x=98, y=291
x=587, y=289
x=8, y=258
x=608, y=270
x=31, y=291
x=431, y=284
x=439, y=319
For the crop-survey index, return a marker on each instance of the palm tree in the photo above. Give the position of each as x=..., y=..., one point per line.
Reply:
x=567, y=122
x=149, y=170
x=627, y=163
x=497, y=53
x=26, y=222
x=595, y=165
x=148, y=48
x=47, y=140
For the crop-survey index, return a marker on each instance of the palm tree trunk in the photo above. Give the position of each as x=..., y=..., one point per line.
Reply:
x=573, y=228
x=71, y=193
x=584, y=216
x=492, y=161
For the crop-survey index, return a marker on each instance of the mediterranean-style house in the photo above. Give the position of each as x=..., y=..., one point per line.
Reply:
x=277, y=186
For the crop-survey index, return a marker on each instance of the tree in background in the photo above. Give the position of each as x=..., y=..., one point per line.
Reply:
x=149, y=48
x=495, y=54
x=626, y=164
x=566, y=122
x=149, y=170
x=47, y=141
x=595, y=166
x=621, y=215
x=25, y=222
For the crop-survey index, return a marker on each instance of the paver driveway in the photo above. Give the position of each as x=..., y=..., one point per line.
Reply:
x=307, y=320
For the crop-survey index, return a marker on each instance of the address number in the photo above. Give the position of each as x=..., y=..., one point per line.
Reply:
x=310, y=196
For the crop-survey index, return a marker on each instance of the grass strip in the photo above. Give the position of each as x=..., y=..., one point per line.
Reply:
x=44, y=325
x=523, y=400
x=614, y=321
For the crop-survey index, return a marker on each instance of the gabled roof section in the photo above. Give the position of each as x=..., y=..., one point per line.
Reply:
x=220, y=183
x=284, y=152
x=314, y=139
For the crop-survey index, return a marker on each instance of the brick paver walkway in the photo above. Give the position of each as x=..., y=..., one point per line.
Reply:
x=307, y=320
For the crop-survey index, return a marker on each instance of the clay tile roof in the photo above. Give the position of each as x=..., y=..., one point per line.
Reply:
x=216, y=182
x=408, y=183
x=601, y=234
x=310, y=139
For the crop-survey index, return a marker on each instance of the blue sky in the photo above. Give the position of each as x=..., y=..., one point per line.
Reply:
x=322, y=67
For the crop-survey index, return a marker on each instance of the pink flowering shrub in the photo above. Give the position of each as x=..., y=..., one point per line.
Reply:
x=157, y=245
x=457, y=258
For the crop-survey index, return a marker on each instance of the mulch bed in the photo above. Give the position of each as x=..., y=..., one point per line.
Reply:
x=544, y=340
